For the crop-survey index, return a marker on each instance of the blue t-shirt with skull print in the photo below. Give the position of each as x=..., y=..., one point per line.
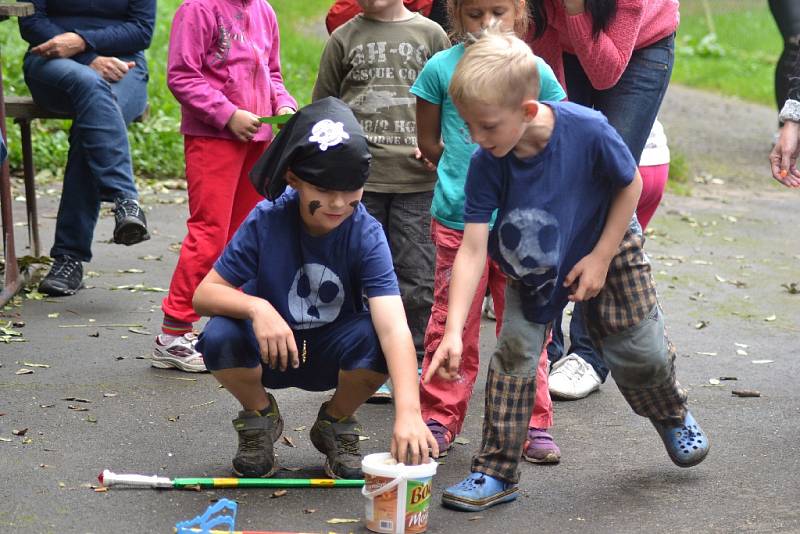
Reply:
x=552, y=207
x=311, y=281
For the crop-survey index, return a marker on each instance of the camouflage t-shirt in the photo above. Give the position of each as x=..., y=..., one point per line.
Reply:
x=371, y=65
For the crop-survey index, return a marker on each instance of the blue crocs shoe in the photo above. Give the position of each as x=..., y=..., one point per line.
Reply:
x=686, y=444
x=478, y=492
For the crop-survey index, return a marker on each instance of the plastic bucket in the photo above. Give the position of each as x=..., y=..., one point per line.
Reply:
x=398, y=495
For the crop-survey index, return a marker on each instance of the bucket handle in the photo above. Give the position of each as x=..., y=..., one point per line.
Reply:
x=383, y=489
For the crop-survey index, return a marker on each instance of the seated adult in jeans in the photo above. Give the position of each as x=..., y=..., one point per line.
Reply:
x=86, y=58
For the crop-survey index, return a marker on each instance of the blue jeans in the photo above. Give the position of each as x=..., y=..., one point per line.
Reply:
x=631, y=107
x=99, y=161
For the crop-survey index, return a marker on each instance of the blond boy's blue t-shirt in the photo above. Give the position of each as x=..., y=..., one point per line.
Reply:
x=432, y=85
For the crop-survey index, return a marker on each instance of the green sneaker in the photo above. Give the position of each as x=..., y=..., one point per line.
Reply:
x=255, y=456
x=338, y=440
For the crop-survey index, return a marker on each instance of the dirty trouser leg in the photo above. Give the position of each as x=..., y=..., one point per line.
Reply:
x=627, y=323
x=510, y=391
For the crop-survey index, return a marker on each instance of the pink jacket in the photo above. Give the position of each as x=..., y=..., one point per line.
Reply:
x=638, y=23
x=224, y=55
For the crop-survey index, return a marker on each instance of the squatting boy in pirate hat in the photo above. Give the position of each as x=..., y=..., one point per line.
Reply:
x=303, y=262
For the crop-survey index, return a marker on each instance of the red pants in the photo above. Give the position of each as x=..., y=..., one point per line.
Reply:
x=445, y=401
x=220, y=197
x=654, y=180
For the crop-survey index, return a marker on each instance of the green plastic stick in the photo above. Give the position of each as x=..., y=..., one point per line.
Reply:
x=180, y=483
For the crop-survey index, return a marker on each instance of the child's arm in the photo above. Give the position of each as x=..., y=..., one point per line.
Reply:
x=215, y=296
x=467, y=271
x=411, y=439
x=590, y=272
x=429, y=130
x=331, y=71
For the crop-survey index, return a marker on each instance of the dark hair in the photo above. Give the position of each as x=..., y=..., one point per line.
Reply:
x=601, y=11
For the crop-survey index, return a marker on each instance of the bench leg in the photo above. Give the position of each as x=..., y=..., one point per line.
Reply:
x=30, y=186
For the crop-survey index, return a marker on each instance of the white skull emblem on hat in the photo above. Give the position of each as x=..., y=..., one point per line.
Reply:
x=327, y=133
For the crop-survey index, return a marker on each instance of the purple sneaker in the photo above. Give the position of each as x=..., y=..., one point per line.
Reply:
x=540, y=448
x=443, y=437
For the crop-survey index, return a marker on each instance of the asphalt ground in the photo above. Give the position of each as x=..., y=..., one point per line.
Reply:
x=722, y=257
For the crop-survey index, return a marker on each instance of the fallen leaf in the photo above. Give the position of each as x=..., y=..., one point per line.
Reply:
x=39, y=365
x=96, y=334
x=101, y=489
x=91, y=419
x=140, y=331
x=24, y=371
x=309, y=510
x=706, y=353
x=109, y=395
x=713, y=381
x=130, y=271
x=52, y=315
x=300, y=428
x=150, y=257
x=363, y=438
x=173, y=418
x=792, y=288
x=476, y=518
x=278, y=493
x=763, y=361
x=720, y=279
x=27, y=441
x=77, y=399
x=45, y=466
x=770, y=318
x=20, y=432
x=202, y=404
x=292, y=469
x=288, y=441
x=746, y=393
x=339, y=521
x=741, y=345
x=461, y=440
x=77, y=408
x=728, y=378
x=741, y=352
x=6, y=440
x=46, y=405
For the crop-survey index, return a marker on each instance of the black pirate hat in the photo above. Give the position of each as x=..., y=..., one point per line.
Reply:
x=322, y=144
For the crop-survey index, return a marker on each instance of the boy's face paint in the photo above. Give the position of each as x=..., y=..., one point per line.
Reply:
x=497, y=129
x=323, y=210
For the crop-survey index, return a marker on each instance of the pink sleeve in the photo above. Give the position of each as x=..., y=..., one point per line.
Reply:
x=193, y=30
x=280, y=96
x=549, y=49
x=605, y=59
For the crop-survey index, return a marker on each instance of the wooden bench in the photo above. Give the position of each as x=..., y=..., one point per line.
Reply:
x=23, y=110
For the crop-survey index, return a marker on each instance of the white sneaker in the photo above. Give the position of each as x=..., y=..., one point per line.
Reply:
x=488, y=308
x=177, y=352
x=572, y=378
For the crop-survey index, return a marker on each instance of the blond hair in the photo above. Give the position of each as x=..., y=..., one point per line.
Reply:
x=498, y=69
x=455, y=13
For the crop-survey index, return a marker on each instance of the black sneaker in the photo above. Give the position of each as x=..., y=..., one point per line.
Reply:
x=65, y=277
x=130, y=225
x=338, y=440
x=255, y=456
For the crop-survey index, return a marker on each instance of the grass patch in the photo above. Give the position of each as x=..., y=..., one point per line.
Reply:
x=739, y=60
x=678, y=182
x=156, y=145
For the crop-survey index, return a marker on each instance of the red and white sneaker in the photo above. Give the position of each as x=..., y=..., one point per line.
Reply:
x=177, y=352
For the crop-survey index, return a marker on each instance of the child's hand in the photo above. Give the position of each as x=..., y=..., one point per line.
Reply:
x=285, y=110
x=783, y=158
x=275, y=339
x=412, y=442
x=587, y=277
x=428, y=164
x=243, y=125
x=446, y=360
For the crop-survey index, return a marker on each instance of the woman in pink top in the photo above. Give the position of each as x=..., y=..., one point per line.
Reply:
x=224, y=69
x=615, y=56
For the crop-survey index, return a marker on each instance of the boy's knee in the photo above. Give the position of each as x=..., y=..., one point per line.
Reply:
x=514, y=356
x=223, y=341
x=639, y=355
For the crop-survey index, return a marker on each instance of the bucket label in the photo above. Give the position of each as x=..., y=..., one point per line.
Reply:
x=418, y=499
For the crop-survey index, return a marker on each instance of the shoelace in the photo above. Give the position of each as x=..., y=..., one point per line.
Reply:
x=64, y=267
x=574, y=366
x=252, y=440
x=129, y=207
x=348, y=443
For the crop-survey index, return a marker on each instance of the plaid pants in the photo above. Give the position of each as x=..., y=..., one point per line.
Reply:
x=626, y=325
